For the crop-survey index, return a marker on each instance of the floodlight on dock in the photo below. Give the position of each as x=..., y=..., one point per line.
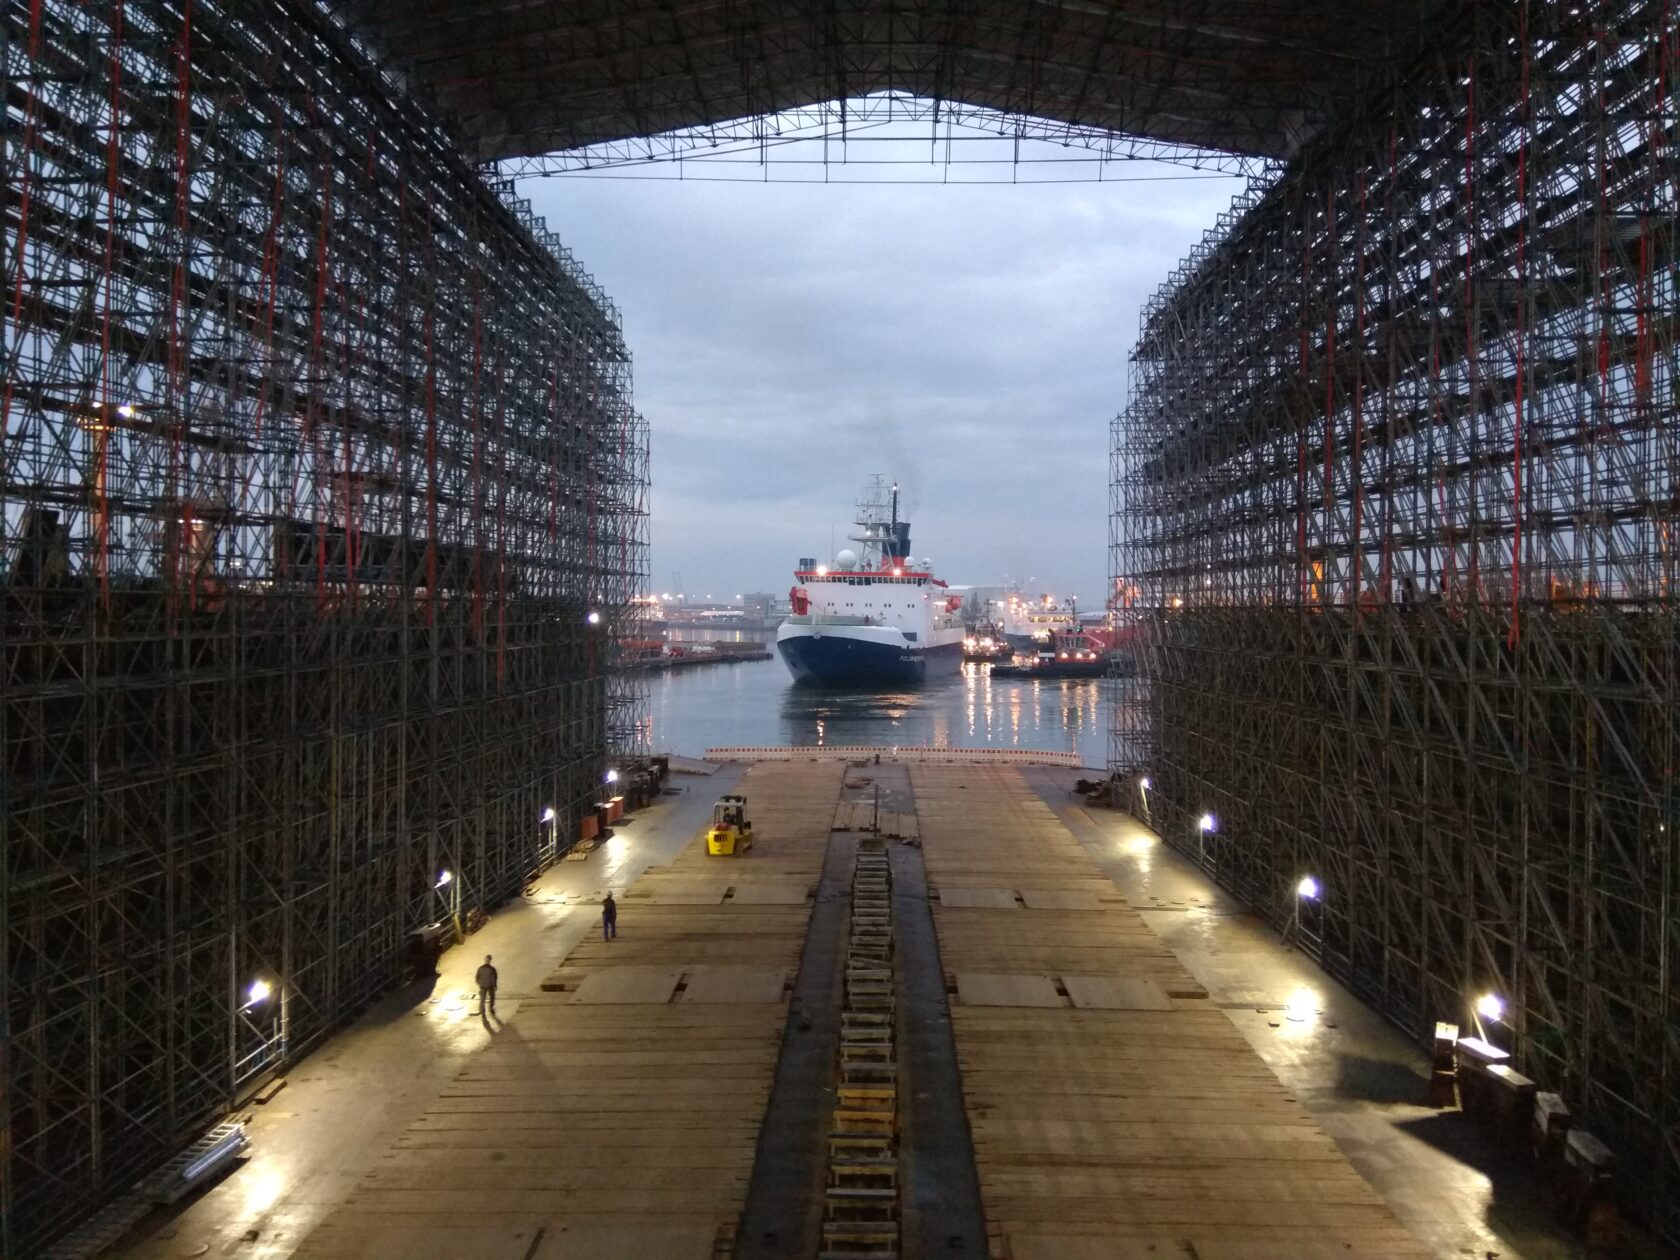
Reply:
x=612, y=776
x=1491, y=1006
x=1300, y=1006
x=444, y=879
x=1208, y=822
x=1307, y=888
x=1144, y=783
x=258, y=992
x=594, y=618
x=548, y=814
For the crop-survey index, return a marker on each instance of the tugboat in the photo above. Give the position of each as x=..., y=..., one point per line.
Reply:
x=876, y=617
x=986, y=643
x=1068, y=655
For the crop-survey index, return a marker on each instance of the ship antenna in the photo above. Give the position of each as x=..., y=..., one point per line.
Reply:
x=895, y=504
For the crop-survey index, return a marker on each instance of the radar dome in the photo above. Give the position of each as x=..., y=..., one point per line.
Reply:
x=847, y=559
x=927, y=565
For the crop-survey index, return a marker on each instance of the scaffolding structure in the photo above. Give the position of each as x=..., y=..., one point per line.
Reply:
x=323, y=504
x=886, y=137
x=1394, y=506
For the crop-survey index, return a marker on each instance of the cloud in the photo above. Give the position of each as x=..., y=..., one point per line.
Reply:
x=791, y=339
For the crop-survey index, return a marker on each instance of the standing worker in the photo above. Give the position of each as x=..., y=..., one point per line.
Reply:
x=609, y=918
x=486, y=978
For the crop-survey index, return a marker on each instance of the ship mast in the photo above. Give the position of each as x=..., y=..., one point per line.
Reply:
x=883, y=537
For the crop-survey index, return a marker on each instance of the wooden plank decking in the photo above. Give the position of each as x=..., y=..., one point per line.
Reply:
x=1104, y=1125
x=616, y=1114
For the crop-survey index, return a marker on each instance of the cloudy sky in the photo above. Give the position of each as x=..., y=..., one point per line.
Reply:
x=791, y=339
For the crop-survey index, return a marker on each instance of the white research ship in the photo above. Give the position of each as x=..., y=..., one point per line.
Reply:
x=875, y=618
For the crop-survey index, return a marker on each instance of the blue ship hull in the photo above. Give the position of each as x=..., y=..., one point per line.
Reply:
x=831, y=660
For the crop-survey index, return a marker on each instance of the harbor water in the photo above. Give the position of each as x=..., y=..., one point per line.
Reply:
x=756, y=703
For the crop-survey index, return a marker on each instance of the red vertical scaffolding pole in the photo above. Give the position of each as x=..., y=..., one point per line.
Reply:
x=26, y=191
x=106, y=421
x=1472, y=376
x=501, y=492
x=318, y=475
x=475, y=504
x=429, y=614
x=1356, y=471
x=554, y=444
x=1522, y=337
x=178, y=555
x=1305, y=373
x=1385, y=579
x=269, y=289
x=1329, y=390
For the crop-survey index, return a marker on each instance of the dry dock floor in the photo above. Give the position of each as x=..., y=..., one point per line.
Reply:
x=1116, y=1112
x=618, y=1116
x=614, y=1111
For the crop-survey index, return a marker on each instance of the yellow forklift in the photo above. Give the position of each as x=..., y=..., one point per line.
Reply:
x=730, y=834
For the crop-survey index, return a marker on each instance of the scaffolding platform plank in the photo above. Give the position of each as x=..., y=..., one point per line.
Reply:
x=1116, y=993
x=977, y=898
x=628, y=984
x=1060, y=899
x=727, y=985
x=771, y=894
x=976, y=988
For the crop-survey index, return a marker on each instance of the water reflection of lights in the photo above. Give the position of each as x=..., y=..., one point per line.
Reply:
x=1140, y=844
x=971, y=710
x=262, y=1190
x=617, y=848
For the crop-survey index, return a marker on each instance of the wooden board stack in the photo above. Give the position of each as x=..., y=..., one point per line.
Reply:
x=1116, y=1112
x=616, y=1114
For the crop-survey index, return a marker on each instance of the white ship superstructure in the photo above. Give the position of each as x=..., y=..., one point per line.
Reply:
x=1031, y=623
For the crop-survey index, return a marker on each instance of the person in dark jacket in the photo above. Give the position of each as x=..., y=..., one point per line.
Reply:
x=486, y=978
x=609, y=918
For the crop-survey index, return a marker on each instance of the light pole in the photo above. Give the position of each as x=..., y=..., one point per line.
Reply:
x=548, y=843
x=447, y=880
x=259, y=1020
x=1307, y=890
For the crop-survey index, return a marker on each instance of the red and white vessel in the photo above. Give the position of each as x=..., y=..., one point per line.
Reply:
x=873, y=618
